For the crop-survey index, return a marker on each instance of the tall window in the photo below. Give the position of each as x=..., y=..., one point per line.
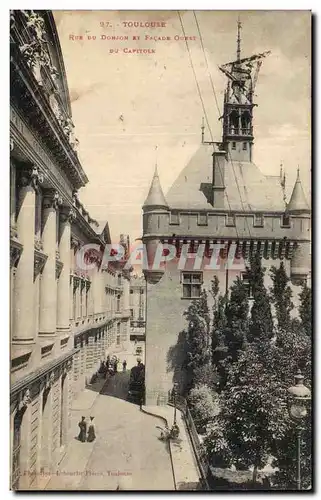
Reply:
x=118, y=303
x=285, y=221
x=192, y=285
x=244, y=146
x=233, y=145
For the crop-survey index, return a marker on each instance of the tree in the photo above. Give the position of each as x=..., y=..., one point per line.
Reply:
x=251, y=411
x=237, y=321
x=281, y=295
x=261, y=322
x=305, y=309
x=197, y=336
x=218, y=348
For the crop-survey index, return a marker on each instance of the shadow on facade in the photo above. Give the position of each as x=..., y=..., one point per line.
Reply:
x=176, y=362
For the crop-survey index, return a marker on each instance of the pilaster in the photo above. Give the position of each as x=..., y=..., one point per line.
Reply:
x=23, y=327
x=48, y=286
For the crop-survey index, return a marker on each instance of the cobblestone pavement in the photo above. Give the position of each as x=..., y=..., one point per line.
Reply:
x=126, y=453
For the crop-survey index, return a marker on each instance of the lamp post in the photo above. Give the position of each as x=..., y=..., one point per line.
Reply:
x=299, y=398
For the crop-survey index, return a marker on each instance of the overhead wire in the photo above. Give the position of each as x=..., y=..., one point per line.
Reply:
x=218, y=109
x=204, y=109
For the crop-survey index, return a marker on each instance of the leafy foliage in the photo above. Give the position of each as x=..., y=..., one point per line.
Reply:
x=281, y=295
x=251, y=409
x=197, y=335
x=261, y=323
x=204, y=406
x=237, y=312
x=305, y=309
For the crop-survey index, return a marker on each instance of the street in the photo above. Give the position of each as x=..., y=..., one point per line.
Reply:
x=126, y=453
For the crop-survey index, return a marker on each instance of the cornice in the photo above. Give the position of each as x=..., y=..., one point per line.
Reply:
x=31, y=99
x=33, y=377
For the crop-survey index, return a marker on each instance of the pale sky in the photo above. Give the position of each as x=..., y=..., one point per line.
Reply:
x=124, y=105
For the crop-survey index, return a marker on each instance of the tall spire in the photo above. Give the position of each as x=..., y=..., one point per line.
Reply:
x=238, y=50
x=298, y=200
x=155, y=196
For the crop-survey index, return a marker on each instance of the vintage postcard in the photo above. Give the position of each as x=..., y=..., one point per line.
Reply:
x=160, y=250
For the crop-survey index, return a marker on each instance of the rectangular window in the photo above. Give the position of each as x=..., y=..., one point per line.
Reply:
x=258, y=220
x=192, y=285
x=285, y=220
x=174, y=218
x=202, y=220
x=230, y=220
x=233, y=145
x=244, y=146
x=245, y=277
x=118, y=303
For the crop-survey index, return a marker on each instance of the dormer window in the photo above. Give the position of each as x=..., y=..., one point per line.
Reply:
x=258, y=220
x=230, y=220
x=202, y=220
x=174, y=218
x=285, y=220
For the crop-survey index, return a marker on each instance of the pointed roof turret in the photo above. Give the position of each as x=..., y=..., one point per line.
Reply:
x=155, y=196
x=298, y=200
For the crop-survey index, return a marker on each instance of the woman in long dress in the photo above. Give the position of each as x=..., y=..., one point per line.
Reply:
x=83, y=427
x=91, y=431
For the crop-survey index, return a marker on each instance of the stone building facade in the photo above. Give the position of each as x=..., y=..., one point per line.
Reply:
x=63, y=317
x=220, y=198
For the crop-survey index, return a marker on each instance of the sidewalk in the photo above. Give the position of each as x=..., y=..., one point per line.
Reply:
x=126, y=453
x=186, y=474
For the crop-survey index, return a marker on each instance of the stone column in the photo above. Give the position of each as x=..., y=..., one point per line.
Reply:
x=48, y=288
x=23, y=324
x=63, y=295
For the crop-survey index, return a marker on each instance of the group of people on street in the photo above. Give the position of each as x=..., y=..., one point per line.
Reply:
x=85, y=434
x=110, y=366
x=167, y=433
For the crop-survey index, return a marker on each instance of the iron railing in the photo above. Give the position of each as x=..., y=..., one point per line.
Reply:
x=181, y=404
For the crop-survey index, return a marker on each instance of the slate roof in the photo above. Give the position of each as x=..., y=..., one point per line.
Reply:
x=298, y=200
x=247, y=188
x=155, y=196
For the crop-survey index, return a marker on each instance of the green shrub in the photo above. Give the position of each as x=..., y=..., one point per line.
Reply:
x=203, y=402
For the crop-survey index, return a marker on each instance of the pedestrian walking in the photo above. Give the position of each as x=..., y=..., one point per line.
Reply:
x=91, y=436
x=83, y=428
x=124, y=365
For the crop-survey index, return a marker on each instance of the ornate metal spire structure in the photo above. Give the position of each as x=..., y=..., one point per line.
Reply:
x=238, y=51
x=242, y=75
